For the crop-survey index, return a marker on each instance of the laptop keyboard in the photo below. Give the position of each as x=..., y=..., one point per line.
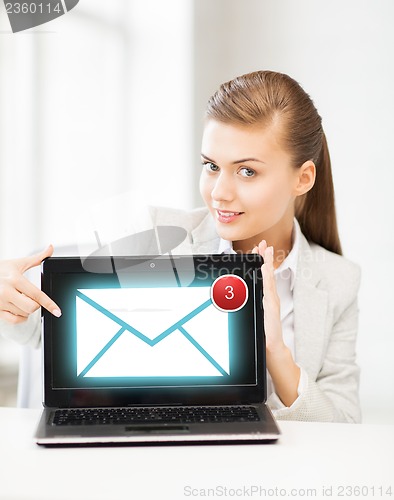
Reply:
x=163, y=415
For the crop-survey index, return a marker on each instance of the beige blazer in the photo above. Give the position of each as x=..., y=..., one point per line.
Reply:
x=325, y=321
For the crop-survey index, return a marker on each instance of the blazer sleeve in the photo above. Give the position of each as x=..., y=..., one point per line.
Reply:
x=333, y=396
x=26, y=333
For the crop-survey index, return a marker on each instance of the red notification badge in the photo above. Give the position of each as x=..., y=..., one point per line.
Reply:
x=229, y=293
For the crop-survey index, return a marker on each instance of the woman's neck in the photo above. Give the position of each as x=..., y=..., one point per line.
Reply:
x=279, y=236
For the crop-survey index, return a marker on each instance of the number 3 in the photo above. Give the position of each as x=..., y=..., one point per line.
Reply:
x=230, y=294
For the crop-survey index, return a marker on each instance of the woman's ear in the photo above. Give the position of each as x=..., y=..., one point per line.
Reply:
x=305, y=178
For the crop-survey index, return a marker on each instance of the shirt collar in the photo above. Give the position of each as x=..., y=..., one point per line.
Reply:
x=289, y=263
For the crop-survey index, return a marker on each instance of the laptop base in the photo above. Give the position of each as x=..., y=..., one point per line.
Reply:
x=263, y=431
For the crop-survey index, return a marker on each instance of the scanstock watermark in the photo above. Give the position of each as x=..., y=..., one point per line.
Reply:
x=32, y=13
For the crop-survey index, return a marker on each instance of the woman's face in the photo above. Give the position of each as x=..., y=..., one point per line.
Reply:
x=247, y=182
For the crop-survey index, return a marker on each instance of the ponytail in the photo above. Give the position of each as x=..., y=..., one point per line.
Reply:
x=315, y=210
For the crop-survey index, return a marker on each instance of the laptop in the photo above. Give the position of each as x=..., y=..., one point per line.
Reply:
x=164, y=350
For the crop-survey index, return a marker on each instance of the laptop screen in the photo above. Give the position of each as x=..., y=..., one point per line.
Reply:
x=149, y=329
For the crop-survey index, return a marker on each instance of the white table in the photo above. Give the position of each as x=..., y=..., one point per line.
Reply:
x=308, y=456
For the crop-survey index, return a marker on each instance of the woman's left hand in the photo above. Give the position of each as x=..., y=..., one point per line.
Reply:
x=284, y=372
x=271, y=301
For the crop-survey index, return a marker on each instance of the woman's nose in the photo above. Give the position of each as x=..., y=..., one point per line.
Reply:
x=223, y=189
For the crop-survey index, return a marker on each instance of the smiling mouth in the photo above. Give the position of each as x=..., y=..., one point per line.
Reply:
x=226, y=216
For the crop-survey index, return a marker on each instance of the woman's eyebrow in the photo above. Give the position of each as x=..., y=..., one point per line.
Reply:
x=247, y=159
x=206, y=158
x=234, y=162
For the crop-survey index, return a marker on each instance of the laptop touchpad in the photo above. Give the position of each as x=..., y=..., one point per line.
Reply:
x=157, y=428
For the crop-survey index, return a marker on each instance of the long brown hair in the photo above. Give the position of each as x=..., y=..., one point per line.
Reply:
x=268, y=98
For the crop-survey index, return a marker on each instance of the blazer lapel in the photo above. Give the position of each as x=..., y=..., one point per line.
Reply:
x=310, y=311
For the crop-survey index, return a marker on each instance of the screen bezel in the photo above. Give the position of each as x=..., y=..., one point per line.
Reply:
x=86, y=397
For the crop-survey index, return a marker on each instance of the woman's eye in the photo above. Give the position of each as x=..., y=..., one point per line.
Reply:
x=210, y=167
x=247, y=172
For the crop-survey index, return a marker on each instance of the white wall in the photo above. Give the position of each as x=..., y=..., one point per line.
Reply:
x=342, y=54
x=93, y=105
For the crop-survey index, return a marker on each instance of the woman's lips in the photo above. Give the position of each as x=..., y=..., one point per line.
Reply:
x=225, y=216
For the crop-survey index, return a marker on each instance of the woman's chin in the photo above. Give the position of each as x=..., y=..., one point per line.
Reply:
x=229, y=233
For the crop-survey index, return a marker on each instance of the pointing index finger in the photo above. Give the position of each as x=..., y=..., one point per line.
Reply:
x=39, y=296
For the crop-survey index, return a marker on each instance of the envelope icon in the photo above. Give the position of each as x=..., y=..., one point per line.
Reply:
x=150, y=332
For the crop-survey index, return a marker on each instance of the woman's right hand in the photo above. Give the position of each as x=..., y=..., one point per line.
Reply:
x=18, y=296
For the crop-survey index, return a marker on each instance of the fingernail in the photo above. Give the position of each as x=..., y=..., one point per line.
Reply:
x=57, y=313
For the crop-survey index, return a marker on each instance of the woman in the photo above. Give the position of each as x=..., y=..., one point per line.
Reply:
x=267, y=184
